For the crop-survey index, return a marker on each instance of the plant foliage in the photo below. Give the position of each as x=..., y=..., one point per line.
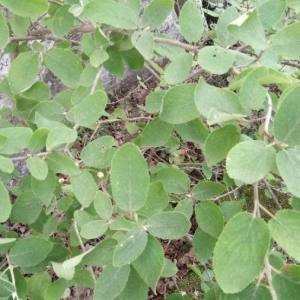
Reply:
x=95, y=211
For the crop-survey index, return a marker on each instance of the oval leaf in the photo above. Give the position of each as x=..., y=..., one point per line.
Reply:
x=129, y=178
x=65, y=65
x=37, y=167
x=240, y=251
x=111, y=282
x=168, y=225
x=84, y=188
x=178, y=99
x=250, y=161
x=288, y=163
x=23, y=72
x=131, y=247
x=29, y=252
x=4, y=204
x=285, y=230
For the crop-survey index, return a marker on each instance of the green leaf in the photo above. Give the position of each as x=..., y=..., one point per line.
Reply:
x=248, y=29
x=176, y=100
x=216, y=104
x=157, y=12
x=4, y=32
x=252, y=291
x=111, y=282
x=29, y=252
x=179, y=69
x=231, y=208
x=168, y=225
x=174, y=180
x=185, y=206
x=240, y=251
x=288, y=162
x=37, y=284
x=90, y=109
x=23, y=71
x=4, y=203
x=94, y=229
x=193, y=131
x=271, y=12
x=24, y=8
x=224, y=38
x=63, y=272
x=130, y=247
x=286, y=42
x=157, y=200
x=44, y=189
x=204, y=245
x=169, y=269
x=215, y=60
x=98, y=57
x=26, y=209
x=62, y=21
x=286, y=130
x=56, y=289
x=65, y=65
x=190, y=22
x=143, y=41
x=133, y=59
x=44, y=113
x=98, y=153
x=59, y=163
x=252, y=95
x=59, y=136
x=111, y=13
x=205, y=190
x=6, y=288
x=207, y=211
x=154, y=101
x=6, y=244
x=227, y=136
x=83, y=278
x=39, y=91
x=103, y=205
x=37, y=167
x=114, y=64
x=102, y=254
x=88, y=76
x=156, y=133
x=284, y=229
x=285, y=287
x=129, y=178
x=250, y=161
x=135, y=289
x=6, y=165
x=149, y=264
x=84, y=188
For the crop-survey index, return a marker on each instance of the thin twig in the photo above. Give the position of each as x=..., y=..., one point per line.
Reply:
x=13, y=280
x=268, y=118
x=226, y=194
x=269, y=278
x=29, y=155
x=290, y=63
x=99, y=123
x=266, y=211
x=272, y=194
x=152, y=72
x=256, y=212
x=96, y=81
x=83, y=247
x=177, y=43
x=43, y=38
